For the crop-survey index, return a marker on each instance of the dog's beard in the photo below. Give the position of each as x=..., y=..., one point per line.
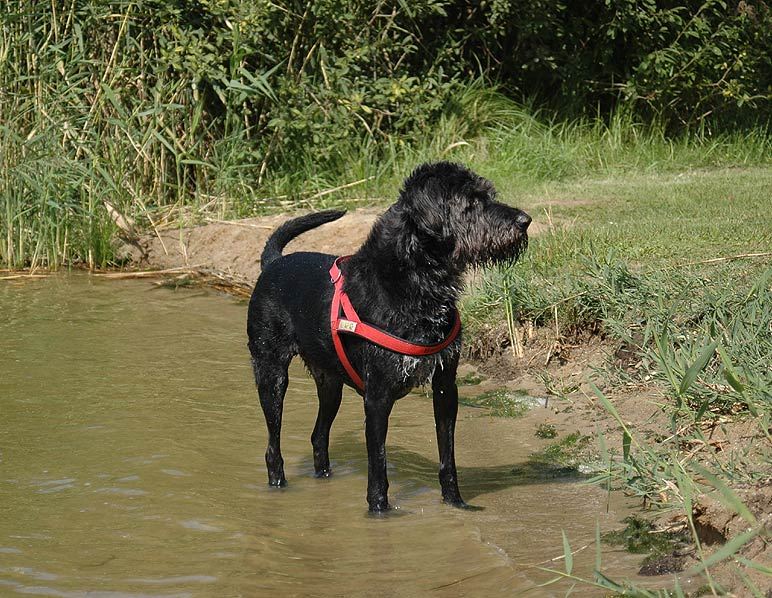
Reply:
x=501, y=251
x=489, y=236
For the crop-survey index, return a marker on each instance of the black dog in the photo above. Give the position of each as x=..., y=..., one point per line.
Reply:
x=405, y=279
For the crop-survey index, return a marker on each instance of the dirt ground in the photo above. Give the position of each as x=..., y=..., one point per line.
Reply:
x=555, y=368
x=234, y=247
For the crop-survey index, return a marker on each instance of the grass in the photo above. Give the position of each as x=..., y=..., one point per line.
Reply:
x=568, y=452
x=646, y=221
x=501, y=402
x=546, y=431
x=632, y=269
x=630, y=258
x=471, y=379
x=640, y=537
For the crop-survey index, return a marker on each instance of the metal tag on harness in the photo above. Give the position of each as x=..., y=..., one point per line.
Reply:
x=347, y=325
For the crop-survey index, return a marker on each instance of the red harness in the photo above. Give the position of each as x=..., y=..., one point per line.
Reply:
x=351, y=324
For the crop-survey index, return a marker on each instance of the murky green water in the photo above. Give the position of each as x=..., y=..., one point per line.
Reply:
x=131, y=464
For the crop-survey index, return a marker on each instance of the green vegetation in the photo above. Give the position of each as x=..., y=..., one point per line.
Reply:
x=670, y=261
x=567, y=452
x=630, y=270
x=546, y=431
x=639, y=536
x=471, y=379
x=661, y=547
x=224, y=108
x=501, y=402
x=646, y=261
x=618, y=239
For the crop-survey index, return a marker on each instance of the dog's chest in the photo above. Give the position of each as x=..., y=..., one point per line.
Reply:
x=417, y=371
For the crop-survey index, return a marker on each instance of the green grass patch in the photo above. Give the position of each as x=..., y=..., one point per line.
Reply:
x=661, y=548
x=568, y=452
x=560, y=459
x=676, y=267
x=705, y=336
x=610, y=234
x=640, y=537
x=501, y=402
x=546, y=431
x=470, y=379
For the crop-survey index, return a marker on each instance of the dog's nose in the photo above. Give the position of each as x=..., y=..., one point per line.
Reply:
x=523, y=220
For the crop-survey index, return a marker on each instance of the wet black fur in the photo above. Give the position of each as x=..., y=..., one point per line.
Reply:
x=406, y=279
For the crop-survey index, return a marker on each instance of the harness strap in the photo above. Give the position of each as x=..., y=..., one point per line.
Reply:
x=352, y=324
x=337, y=280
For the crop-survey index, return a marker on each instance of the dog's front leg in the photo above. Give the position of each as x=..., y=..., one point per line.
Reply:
x=378, y=406
x=445, y=396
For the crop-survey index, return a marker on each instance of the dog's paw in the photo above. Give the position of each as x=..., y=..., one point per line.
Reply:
x=324, y=473
x=460, y=504
x=391, y=513
x=379, y=507
x=278, y=483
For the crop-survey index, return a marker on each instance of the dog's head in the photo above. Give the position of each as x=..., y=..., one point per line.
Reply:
x=457, y=212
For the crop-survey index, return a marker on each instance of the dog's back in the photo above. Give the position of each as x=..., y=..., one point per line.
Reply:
x=290, y=303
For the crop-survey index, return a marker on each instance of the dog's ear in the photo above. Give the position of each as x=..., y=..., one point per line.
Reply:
x=426, y=206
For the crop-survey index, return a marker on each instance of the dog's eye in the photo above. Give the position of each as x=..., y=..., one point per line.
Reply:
x=478, y=200
x=468, y=204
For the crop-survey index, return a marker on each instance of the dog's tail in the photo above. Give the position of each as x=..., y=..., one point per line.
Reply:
x=291, y=229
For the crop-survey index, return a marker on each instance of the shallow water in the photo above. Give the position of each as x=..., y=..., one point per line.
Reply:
x=131, y=464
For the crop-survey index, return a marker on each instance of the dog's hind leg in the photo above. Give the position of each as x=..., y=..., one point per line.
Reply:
x=445, y=397
x=329, y=390
x=271, y=378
